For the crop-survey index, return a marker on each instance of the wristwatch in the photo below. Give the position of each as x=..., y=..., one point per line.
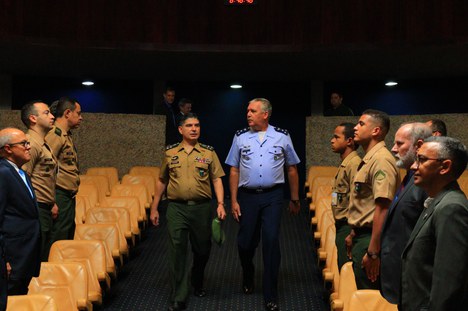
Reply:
x=296, y=202
x=373, y=255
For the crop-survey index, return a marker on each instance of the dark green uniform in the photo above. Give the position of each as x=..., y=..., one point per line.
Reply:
x=68, y=180
x=189, y=176
x=340, y=202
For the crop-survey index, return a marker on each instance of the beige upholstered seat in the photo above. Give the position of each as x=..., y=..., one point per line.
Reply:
x=117, y=215
x=138, y=191
x=95, y=251
x=66, y=282
x=146, y=170
x=132, y=205
x=314, y=171
x=346, y=287
x=145, y=180
x=326, y=219
x=111, y=173
x=108, y=233
x=81, y=208
x=90, y=191
x=33, y=302
x=101, y=182
x=324, y=253
x=369, y=300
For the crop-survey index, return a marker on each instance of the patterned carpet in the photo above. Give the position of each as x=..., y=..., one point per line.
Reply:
x=143, y=283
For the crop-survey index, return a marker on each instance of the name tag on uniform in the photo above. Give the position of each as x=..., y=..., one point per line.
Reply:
x=334, y=199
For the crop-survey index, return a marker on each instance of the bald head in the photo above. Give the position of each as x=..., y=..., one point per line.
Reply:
x=408, y=138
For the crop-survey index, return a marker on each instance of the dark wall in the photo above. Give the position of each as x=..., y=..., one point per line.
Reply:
x=272, y=22
x=422, y=96
x=108, y=96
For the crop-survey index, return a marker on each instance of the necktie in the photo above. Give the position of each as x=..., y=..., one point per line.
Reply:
x=23, y=176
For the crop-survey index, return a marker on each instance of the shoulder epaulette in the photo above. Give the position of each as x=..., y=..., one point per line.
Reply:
x=171, y=146
x=240, y=132
x=280, y=130
x=58, y=131
x=207, y=147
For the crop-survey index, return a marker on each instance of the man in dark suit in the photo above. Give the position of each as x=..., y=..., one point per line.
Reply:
x=404, y=210
x=434, y=268
x=19, y=219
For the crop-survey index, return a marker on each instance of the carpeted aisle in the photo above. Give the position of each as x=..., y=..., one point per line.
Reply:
x=143, y=283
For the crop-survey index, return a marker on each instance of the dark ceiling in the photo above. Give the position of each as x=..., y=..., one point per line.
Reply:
x=245, y=63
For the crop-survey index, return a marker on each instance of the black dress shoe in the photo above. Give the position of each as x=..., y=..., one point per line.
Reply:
x=271, y=306
x=199, y=292
x=177, y=306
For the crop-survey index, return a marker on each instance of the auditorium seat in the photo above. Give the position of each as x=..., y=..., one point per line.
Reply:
x=331, y=273
x=369, y=300
x=322, y=191
x=314, y=171
x=147, y=170
x=324, y=253
x=110, y=234
x=94, y=288
x=346, y=287
x=111, y=173
x=323, y=205
x=32, y=302
x=91, y=191
x=113, y=215
x=138, y=191
x=81, y=208
x=145, y=180
x=101, y=182
x=326, y=219
x=132, y=205
x=95, y=251
x=66, y=282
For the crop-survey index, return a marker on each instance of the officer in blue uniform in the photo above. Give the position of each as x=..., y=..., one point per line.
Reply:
x=257, y=158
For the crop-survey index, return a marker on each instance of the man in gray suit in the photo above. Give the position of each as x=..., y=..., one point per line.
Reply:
x=434, y=268
x=404, y=211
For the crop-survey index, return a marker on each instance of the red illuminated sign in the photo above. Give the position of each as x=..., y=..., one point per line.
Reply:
x=240, y=2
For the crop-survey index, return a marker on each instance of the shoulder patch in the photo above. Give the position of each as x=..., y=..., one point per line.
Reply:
x=171, y=146
x=280, y=130
x=207, y=147
x=240, y=132
x=380, y=175
x=58, y=131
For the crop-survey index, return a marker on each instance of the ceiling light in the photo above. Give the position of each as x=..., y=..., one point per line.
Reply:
x=87, y=83
x=236, y=86
x=391, y=83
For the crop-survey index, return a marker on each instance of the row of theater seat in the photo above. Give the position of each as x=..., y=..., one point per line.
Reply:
x=341, y=285
x=110, y=216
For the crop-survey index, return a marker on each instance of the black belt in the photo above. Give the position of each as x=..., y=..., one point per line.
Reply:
x=362, y=230
x=260, y=190
x=47, y=207
x=190, y=202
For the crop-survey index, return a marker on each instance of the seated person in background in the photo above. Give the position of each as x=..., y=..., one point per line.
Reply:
x=438, y=127
x=337, y=106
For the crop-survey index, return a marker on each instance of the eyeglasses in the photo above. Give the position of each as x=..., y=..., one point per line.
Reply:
x=420, y=159
x=23, y=143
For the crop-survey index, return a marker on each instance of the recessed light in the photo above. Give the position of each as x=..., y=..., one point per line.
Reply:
x=236, y=86
x=87, y=83
x=391, y=83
